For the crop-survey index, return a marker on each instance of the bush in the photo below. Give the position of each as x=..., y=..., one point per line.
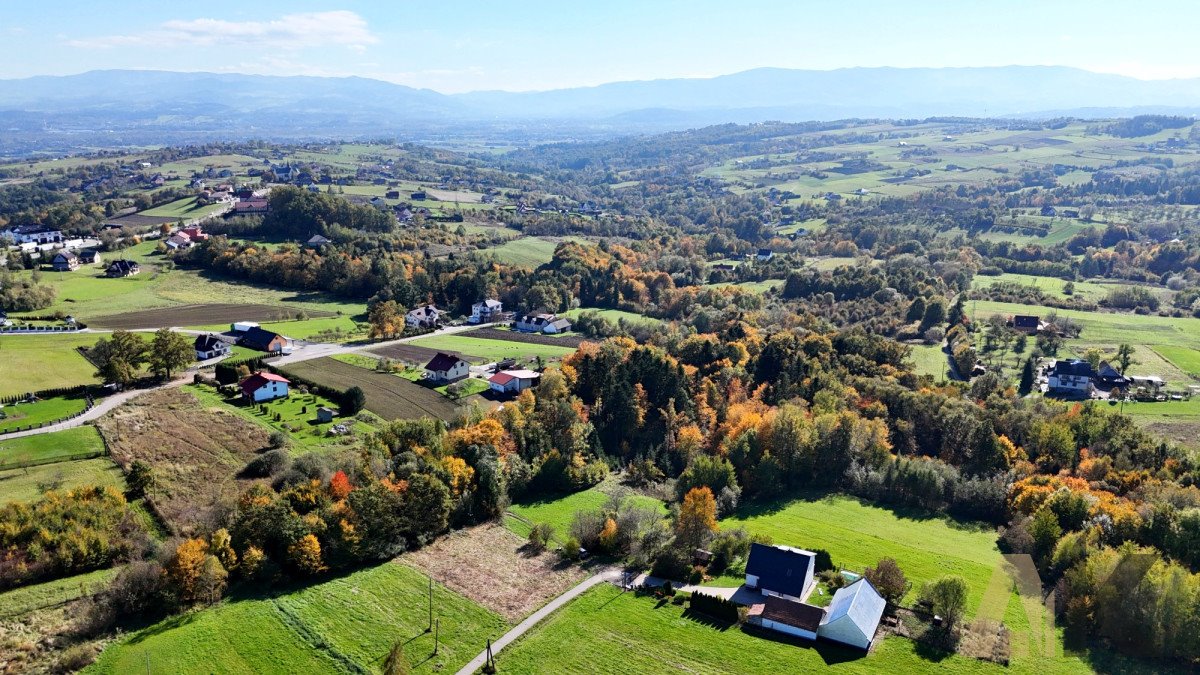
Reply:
x=278, y=439
x=672, y=563
x=540, y=535
x=266, y=464
x=76, y=658
x=716, y=607
x=570, y=549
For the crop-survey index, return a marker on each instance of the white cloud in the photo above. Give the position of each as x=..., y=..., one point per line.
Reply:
x=1149, y=71
x=291, y=32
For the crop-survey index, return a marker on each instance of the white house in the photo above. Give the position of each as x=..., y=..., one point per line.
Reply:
x=513, y=381
x=1072, y=378
x=210, y=347
x=558, y=325
x=264, y=386
x=486, y=311
x=446, y=368
x=542, y=323
x=853, y=615
x=32, y=234
x=427, y=316
x=781, y=571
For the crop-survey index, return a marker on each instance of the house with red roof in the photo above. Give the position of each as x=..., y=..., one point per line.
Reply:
x=513, y=381
x=264, y=386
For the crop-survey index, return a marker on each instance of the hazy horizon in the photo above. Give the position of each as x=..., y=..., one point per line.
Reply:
x=542, y=46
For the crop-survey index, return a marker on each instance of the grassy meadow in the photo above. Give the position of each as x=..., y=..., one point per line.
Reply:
x=560, y=512
x=59, y=446
x=35, y=362
x=29, y=483
x=492, y=350
x=20, y=415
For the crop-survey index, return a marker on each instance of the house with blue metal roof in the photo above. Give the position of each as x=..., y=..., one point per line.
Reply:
x=781, y=571
x=853, y=615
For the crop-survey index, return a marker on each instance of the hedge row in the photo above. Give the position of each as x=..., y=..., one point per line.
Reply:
x=714, y=606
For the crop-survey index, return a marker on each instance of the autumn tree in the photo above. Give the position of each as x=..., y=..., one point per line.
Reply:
x=697, y=517
x=220, y=544
x=608, y=535
x=210, y=585
x=119, y=357
x=339, y=486
x=305, y=555
x=888, y=579
x=169, y=352
x=386, y=318
x=185, y=567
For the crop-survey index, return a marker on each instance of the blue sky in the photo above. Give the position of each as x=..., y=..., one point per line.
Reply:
x=454, y=46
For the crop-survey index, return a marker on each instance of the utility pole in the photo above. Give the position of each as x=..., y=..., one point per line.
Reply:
x=430, y=606
x=437, y=629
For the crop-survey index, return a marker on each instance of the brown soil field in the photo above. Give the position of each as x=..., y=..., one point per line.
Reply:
x=413, y=354
x=198, y=315
x=195, y=452
x=388, y=396
x=493, y=567
x=527, y=338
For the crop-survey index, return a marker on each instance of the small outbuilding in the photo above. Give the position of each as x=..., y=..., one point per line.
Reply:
x=325, y=414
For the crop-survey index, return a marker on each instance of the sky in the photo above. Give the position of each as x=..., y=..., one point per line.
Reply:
x=454, y=46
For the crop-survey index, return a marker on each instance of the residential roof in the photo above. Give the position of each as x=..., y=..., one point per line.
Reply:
x=426, y=311
x=65, y=255
x=442, y=361
x=260, y=379
x=1075, y=367
x=258, y=338
x=317, y=239
x=780, y=568
x=859, y=601
x=1025, y=321
x=561, y=324
x=798, y=614
x=207, y=343
x=490, y=303
x=502, y=378
x=123, y=266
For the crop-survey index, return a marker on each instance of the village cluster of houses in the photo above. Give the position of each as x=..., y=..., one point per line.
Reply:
x=489, y=311
x=784, y=577
x=1077, y=378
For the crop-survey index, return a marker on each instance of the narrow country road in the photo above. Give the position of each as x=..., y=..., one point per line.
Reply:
x=608, y=574
x=103, y=406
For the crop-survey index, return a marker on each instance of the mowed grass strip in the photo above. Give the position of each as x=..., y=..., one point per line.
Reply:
x=560, y=512
x=607, y=630
x=1183, y=358
x=28, y=484
x=858, y=534
x=388, y=396
x=48, y=594
x=492, y=350
x=21, y=415
x=523, y=252
x=345, y=625
x=199, y=315
x=53, y=447
x=31, y=363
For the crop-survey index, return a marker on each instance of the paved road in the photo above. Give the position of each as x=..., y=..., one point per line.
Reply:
x=103, y=406
x=609, y=574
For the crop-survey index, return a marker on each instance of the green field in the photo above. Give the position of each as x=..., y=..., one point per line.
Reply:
x=345, y=625
x=298, y=417
x=1183, y=358
x=614, y=315
x=560, y=512
x=34, y=362
x=1052, y=286
x=929, y=360
x=48, y=594
x=184, y=209
x=492, y=350
x=27, y=484
x=523, y=252
x=1108, y=328
x=20, y=415
x=58, y=446
x=609, y=631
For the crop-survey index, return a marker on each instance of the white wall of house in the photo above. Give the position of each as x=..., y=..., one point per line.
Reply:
x=785, y=597
x=1073, y=383
x=790, y=630
x=845, y=631
x=458, y=372
x=270, y=390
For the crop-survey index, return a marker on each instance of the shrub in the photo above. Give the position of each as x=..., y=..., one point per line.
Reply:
x=266, y=464
x=278, y=439
x=540, y=535
x=714, y=606
x=76, y=658
x=570, y=549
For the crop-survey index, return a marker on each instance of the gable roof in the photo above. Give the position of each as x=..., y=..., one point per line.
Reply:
x=798, y=614
x=780, y=568
x=123, y=266
x=317, y=239
x=260, y=379
x=207, y=343
x=859, y=601
x=489, y=303
x=443, y=361
x=65, y=255
x=502, y=378
x=426, y=311
x=257, y=338
x=1025, y=321
x=1075, y=367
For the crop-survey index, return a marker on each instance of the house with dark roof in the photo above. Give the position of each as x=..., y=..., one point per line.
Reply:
x=445, y=368
x=853, y=615
x=210, y=347
x=316, y=241
x=785, y=616
x=764, y=254
x=89, y=257
x=1026, y=323
x=32, y=234
x=781, y=571
x=1072, y=378
x=1109, y=377
x=426, y=316
x=119, y=269
x=263, y=340
x=65, y=261
x=264, y=386
x=419, y=196
x=252, y=206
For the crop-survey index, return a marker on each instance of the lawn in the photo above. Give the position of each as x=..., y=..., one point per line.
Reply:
x=560, y=512
x=929, y=360
x=184, y=209
x=35, y=362
x=298, y=417
x=492, y=350
x=345, y=625
x=48, y=594
x=614, y=315
x=21, y=415
x=59, y=446
x=609, y=631
x=1052, y=286
x=1183, y=358
x=1108, y=328
x=27, y=484
x=523, y=252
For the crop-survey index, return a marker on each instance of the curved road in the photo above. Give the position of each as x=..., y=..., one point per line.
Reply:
x=608, y=574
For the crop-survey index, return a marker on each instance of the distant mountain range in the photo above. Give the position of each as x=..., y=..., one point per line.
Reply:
x=135, y=104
